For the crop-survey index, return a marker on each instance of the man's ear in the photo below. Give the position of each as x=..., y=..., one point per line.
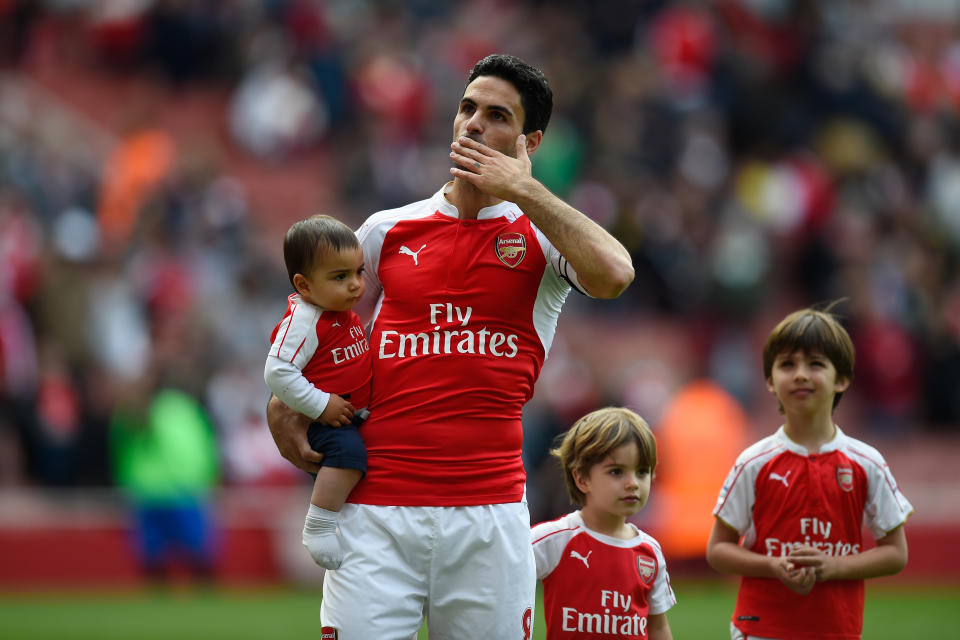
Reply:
x=534, y=138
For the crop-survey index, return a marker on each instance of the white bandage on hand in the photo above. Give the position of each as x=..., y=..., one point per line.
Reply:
x=321, y=539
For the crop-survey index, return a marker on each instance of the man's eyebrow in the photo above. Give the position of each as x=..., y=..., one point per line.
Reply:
x=492, y=107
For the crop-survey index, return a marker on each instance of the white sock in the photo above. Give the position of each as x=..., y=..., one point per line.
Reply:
x=321, y=539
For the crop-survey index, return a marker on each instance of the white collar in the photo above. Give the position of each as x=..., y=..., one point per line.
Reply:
x=835, y=443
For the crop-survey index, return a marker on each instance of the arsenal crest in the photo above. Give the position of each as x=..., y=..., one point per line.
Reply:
x=647, y=568
x=511, y=247
x=845, y=478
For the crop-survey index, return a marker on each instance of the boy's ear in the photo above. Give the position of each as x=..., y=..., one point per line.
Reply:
x=301, y=284
x=841, y=385
x=580, y=481
x=770, y=386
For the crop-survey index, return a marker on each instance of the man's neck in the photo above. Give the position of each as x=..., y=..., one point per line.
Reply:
x=468, y=199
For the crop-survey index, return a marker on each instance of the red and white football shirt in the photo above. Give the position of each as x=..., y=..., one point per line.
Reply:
x=330, y=349
x=466, y=313
x=596, y=586
x=778, y=496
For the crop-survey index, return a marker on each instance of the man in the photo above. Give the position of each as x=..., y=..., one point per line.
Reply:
x=468, y=286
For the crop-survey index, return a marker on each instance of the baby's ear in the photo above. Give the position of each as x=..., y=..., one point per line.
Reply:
x=301, y=284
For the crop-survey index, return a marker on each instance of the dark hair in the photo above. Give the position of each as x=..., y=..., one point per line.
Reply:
x=594, y=436
x=306, y=239
x=810, y=330
x=536, y=97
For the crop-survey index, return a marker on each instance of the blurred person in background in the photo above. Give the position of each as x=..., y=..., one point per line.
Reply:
x=468, y=287
x=165, y=459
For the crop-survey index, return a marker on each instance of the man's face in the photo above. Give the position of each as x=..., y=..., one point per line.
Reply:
x=490, y=112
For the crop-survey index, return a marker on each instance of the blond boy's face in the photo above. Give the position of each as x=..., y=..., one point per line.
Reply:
x=805, y=382
x=617, y=485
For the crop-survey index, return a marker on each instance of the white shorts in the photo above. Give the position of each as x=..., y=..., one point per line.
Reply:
x=736, y=634
x=470, y=570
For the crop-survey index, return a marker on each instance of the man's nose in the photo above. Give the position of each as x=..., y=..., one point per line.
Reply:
x=475, y=123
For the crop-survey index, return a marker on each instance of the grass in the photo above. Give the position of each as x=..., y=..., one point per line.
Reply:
x=703, y=611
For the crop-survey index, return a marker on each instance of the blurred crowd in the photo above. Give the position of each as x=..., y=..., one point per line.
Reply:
x=753, y=155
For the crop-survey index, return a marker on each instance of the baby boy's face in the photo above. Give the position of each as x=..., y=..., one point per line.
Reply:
x=336, y=280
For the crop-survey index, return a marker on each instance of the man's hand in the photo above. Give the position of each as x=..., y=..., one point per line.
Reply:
x=337, y=413
x=289, y=431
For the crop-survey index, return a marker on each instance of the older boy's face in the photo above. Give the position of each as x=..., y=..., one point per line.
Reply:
x=805, y=382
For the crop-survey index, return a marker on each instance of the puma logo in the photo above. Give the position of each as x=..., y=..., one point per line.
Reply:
x=781, y=478
x=404, y=250
x=584, y=559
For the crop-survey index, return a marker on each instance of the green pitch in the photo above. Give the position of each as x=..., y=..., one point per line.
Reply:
x=702, y=613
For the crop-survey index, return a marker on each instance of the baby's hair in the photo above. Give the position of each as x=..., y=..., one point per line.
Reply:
x=594, y=436
x=812, y=331
x=312, y=237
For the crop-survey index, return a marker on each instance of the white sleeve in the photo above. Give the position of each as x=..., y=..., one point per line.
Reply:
x=549, y=539
x=735, y=502
x=288, y=384
x=661, y=597
x=886, y=507
x=293, y=347
x=558, y=263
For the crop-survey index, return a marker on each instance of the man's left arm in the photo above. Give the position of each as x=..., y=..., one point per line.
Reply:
x=603, y=265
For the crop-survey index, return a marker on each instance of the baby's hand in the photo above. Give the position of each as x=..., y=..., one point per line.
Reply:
x=800, y=580
x=822, y=565
x=337, y=413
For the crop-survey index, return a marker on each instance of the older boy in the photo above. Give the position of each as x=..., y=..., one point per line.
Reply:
x=799, y=499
